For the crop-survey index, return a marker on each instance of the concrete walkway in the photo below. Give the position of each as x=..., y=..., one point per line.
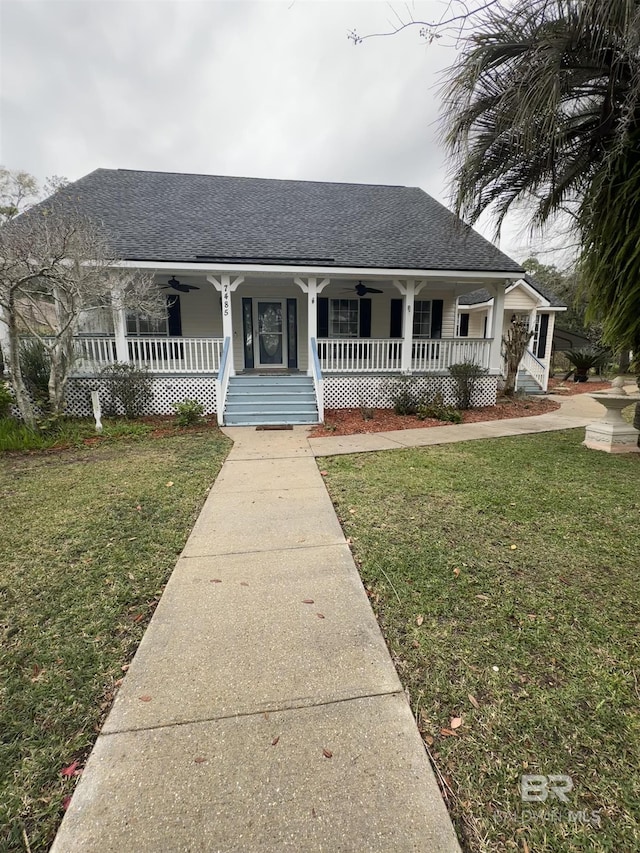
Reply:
x=576, y=411
x=262, y=711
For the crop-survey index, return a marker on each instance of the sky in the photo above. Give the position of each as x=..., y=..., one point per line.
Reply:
x=271, y=88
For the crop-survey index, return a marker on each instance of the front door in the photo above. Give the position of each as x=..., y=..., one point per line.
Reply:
x=271, y=332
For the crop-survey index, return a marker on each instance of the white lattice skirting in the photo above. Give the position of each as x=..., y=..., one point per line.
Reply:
x=166, y=392
x=348, y=392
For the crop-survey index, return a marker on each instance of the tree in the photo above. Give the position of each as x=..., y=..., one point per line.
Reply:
x=514, y=345
x=55, y=256
x=543, y=111
x=18, y=189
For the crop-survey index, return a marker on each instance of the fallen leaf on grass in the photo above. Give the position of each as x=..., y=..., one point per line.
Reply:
x=170, y=483
x=513, y=547
x=456, y=722
x=419, y=620
x=474, y=701
x=448, y=733
x=456, y=572
x=324, y=473
x=352, y=511
x=428, y=740
x=70, y=770
x=415, y=644
x=275, y=741
x=145, y=698
x=327, y=753
x=66, y=802
x=525, y=846
x=125, y=667
x=139, y=617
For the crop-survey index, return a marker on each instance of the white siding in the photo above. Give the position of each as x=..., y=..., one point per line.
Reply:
x=519, y=300
x=200, y=311
x=476, y=323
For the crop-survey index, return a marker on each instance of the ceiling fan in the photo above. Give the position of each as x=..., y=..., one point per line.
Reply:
x=174, y=284
x=362, y=289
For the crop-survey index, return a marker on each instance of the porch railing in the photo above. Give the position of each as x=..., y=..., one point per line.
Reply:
x=318, y=382
x=436, y=355
x=535, y=368
x=222, y=381
x=176, y=355
x=382, y=355
x=358, y=355
x=90, y=355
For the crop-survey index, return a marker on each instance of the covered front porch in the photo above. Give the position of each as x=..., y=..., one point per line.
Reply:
x=348, y=333
x=353, y=325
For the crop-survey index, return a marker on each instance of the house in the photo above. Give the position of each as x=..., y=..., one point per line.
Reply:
x=526, y=300
x=288, y=297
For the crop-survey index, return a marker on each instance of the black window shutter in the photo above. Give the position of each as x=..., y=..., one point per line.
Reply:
x=292, y=333
x=247, y=331
x=464, y=325
x=437, y=306
x=542, y=335
x=323, y=317
x=365, y=318
x=395, y=326
x=174, y=319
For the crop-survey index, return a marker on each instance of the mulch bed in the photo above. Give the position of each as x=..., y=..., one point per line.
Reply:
x=351, y=422
x=569, y=388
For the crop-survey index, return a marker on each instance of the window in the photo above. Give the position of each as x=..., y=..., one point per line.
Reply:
x=141, y=325
x=462, y=326
x=343, y=318
x=422, y=318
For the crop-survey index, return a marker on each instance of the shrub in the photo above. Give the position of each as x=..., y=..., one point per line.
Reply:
x=466, y=375
x=129, y=389
x=584, y=359
x=35, y=365
x=437, y=409
x=6, y=399
x=188, y=413
x=403, y=394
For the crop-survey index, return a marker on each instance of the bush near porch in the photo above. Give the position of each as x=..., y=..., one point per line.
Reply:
x=89, y=538
x=504, y=577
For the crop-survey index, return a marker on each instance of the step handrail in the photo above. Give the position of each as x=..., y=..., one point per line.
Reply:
x=318, y=382
x=222, y=381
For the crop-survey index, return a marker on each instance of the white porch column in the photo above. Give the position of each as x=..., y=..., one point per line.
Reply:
x=119, y=326
x=226, y=286
x=313, y=288
x=409, y=288
x=497, y=320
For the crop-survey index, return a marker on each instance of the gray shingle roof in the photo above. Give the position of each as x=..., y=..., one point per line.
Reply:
x=478, y=296
x=180, y=217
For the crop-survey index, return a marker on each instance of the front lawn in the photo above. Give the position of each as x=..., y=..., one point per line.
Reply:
x=504, y=574
x=89, y=538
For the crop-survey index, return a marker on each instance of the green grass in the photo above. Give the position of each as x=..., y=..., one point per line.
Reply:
x=507, y=571
x=89, y=538
x=15, y=437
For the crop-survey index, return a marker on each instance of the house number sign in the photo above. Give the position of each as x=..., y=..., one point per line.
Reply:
x=225, y=300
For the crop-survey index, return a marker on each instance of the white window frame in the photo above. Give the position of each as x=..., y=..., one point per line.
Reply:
x=134, y=320
x=420, y=311
x=335, y=321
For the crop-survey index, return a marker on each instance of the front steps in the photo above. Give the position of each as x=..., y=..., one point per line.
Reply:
x=262, y=400
x=527, y=384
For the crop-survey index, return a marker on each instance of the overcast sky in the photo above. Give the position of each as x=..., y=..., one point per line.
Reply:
x=271, y=89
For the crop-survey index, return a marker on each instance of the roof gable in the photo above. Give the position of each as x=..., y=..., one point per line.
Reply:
x=206, y=218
